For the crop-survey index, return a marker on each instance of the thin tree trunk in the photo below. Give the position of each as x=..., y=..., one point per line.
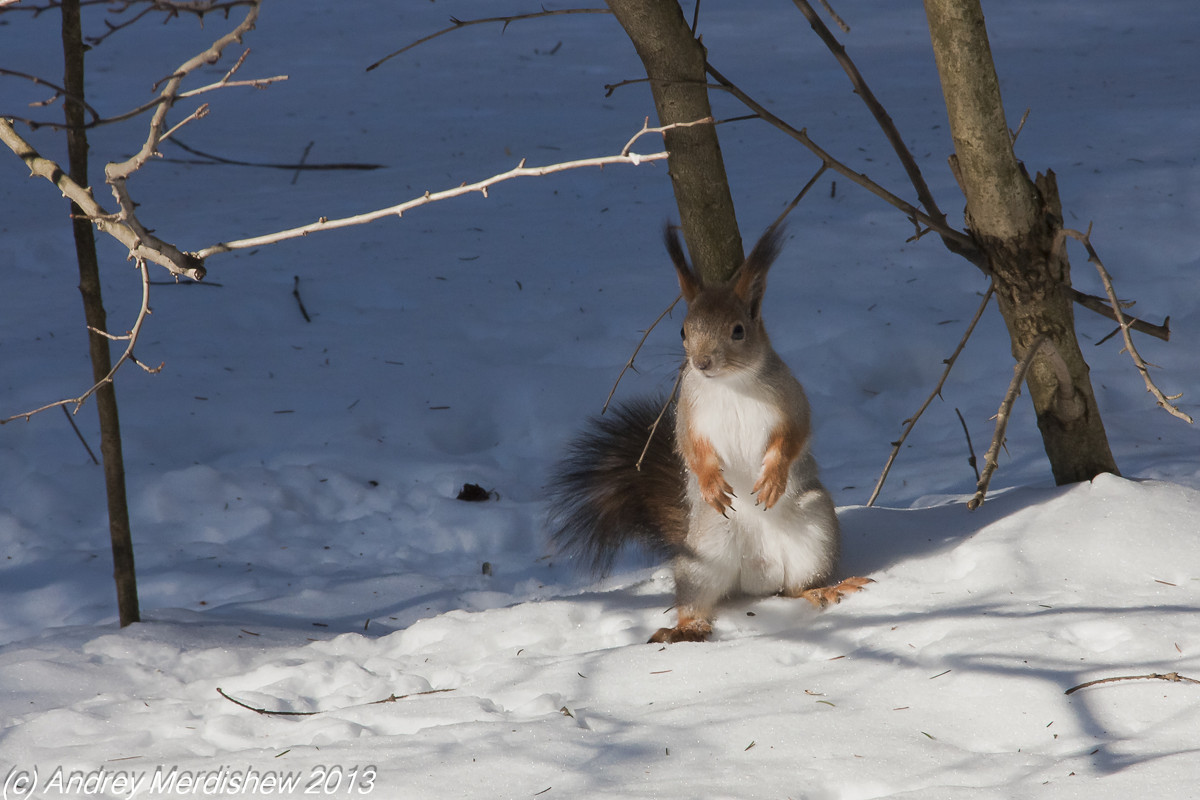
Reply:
x=674, y=60
x=1016, y=222
x=93, y=307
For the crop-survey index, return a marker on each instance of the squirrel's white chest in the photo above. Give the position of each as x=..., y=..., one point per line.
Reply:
x=736, y=423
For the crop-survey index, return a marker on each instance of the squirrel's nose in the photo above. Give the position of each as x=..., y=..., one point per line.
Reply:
x=702, y=363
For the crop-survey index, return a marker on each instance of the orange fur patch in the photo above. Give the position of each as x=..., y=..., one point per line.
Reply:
x=785, y=444
x=702, y=460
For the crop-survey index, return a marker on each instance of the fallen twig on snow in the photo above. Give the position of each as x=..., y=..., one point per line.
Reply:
x=1173, y=677
x=266, y=712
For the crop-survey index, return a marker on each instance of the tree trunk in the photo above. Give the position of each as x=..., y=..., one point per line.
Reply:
x=1016, y=222
x=93, y=307
x=674, y=60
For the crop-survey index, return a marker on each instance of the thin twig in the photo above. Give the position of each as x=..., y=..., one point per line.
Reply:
x=1173, y=677
x=267, y=712
x=629, y=364
x=992, y=460
x=841, y=23
x=1123, y=321
x=458, y=24
x=800, y=196
x=1020, y=126
x=173, y=8
x=911, y=422
x=662, y=413
x=131, y=338
x=58, y=92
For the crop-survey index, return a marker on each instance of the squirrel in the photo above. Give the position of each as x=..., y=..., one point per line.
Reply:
x=727, y=485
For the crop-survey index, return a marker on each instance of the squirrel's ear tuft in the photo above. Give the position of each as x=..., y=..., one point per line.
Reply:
x=750, y=281
x=689, y=282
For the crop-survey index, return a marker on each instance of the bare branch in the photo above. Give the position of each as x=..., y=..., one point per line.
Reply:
x=520, y=171
x=131, y=340
x=59, y=91
x=458, y=24
x=118, y=172
x=1124, y=322
x=124, y=225
x=924, y=195
x=1102, y=307
x=172, y=8
x=992, y=460
x=937, y=392
x=224, y=83
x=143, y=245
x=661, y=129
x=957, y=241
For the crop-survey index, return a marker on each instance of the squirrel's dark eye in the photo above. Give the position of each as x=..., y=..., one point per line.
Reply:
x=683, y=333
x=739, y=333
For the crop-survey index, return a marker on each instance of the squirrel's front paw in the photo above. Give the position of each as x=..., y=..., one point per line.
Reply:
x=717, y=492
x=770, y=487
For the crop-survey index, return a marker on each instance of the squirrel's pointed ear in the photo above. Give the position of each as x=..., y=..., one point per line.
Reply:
x=689, y=283
x=750, y=281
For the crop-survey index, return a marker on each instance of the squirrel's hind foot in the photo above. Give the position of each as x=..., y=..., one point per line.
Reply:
x=829, y=595
x=688, y=630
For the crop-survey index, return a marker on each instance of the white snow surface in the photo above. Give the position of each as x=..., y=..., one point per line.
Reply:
x=292, y=483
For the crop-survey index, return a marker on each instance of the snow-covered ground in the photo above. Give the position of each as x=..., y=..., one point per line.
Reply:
x=293, y=483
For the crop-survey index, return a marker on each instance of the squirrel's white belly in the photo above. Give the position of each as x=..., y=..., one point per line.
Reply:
x=754, y=550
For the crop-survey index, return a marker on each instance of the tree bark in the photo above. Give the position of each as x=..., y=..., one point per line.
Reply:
x=93, y=307
x=674, y=60
x=1016, y=222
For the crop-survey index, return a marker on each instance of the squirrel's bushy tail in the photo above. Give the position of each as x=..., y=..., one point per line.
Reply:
x=600, y=501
